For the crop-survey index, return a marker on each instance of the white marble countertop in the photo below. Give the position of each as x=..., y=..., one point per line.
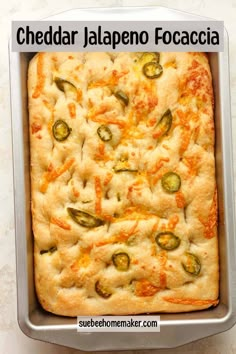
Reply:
x=12, y=340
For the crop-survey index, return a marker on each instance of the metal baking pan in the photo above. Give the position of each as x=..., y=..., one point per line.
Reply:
x=176, y=329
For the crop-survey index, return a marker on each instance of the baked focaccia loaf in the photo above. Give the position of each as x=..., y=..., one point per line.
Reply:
x=124, y=202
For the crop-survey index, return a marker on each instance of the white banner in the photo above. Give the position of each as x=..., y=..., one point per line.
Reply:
x=142, y=36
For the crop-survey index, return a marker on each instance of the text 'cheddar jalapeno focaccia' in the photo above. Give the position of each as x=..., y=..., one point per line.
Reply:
x=124, y=199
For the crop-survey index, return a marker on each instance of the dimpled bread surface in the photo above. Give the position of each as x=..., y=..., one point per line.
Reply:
x=98, y=193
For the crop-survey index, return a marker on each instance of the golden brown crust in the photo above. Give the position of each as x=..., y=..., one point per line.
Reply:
x=83, y=172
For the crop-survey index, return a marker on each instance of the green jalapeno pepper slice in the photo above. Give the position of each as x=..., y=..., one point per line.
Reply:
x=102, y=291
x=64, y=85
x=84, y=219
x=191, y=264
x=61, y=130
x=118, y=169
x=167, y=240
x=164, y=125
x=152, y=70
x=104, y=133
x=171, y=182
x=121, y=261
x=122, y=97
x=50, y=250
x=123, y=165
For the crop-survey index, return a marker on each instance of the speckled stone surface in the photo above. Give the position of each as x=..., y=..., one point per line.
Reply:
x=11, y=339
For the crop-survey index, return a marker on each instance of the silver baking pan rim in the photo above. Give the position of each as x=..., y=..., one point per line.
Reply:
x=176, y=329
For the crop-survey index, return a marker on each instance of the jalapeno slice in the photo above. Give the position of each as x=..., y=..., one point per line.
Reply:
x=84, y=219
x=123, y=165
x=118, y=169
x=167, y=241
x=104, y=133
x=102, y=290
x=50, y=250
x=61, y=130
x=171, y=182
x=64, y=85
x=121, y=261
x=164, y=124
x=148, y=57
x=152, y=70
x=191, y=264
x=122, y=97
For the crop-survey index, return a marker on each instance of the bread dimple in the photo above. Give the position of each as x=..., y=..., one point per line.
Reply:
x=118, y=182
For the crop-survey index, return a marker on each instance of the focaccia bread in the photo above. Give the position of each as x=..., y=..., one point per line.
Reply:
x=124, y=202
